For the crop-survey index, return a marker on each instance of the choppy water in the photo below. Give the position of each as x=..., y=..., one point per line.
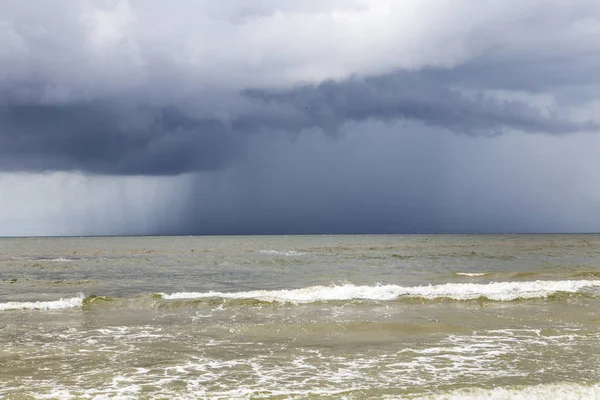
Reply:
x=349, y=317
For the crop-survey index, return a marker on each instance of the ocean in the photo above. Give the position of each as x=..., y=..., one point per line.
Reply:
x=295, y=317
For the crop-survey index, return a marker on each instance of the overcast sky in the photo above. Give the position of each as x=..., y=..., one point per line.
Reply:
x=286, y=116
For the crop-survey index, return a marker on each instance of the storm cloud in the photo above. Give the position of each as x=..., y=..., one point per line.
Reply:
x=103, y=138
x=140, y=88
x=110, y=87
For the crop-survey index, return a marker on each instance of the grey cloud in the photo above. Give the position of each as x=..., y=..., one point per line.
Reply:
x=377, y=179
x=551, y=73
x=104, y=138
x=138, y=87
x=97, y=138
x=408, y=95
x=96, y=88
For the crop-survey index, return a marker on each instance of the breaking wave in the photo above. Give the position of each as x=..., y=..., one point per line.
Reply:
x=501, y=274
x=496, y=291
x=72, y=302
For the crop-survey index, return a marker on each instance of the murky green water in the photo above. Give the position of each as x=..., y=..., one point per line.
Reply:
x=352, y=317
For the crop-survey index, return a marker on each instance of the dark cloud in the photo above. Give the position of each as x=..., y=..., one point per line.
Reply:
x=548, y=73
x=104, y=138
x=377, y=178
x=314, y=116
x=101, y=138
x=135, y=88
x=411, y=96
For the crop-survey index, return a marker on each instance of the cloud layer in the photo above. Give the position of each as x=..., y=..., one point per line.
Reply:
x=284, y=116
x=142, y=88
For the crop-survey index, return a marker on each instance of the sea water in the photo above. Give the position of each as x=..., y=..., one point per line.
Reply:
x=278, y=317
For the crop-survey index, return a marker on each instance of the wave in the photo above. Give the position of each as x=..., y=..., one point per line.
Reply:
x=586, y=274
x=519, y=275
x=72, y=302
x=499, y=274
x=59, y=259
x=290, y=253
x=496, y=291
x=544, y=391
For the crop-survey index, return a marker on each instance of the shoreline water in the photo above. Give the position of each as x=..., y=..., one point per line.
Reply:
x=431, y=317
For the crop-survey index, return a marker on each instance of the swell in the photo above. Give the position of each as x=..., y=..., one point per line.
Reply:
x=53, y=282
x=585, y=274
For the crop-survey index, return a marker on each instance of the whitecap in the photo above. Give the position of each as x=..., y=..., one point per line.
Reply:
x=72, y=302
x=498, y=291
x=290, y=253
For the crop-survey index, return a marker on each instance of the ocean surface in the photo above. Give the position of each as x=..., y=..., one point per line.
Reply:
x=319, y=317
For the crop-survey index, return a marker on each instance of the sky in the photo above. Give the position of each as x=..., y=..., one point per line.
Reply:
x=293, y=117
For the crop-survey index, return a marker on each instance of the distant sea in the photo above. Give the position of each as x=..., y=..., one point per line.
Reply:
x=295, y=317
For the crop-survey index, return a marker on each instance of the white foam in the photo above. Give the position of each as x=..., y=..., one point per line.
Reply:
x=470, y=273
x=498, y=291
x=264, y=372
x=43, y=305
x=290, y=253
x=59, y=259
x=559, y=391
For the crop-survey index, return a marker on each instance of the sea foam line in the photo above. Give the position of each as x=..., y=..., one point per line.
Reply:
x=72, y=302
x=544, y=391
x=498, y=291
x=290, y=253
x=471, y=274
